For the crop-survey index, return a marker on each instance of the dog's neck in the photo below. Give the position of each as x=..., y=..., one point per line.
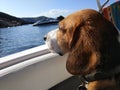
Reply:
x=98, y=75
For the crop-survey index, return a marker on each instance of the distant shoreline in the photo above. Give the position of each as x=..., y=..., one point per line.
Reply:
x=11, y=21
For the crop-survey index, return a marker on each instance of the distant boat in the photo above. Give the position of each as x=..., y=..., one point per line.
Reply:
x=46, y=21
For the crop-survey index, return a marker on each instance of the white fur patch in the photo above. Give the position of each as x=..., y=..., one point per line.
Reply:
x=51, y=41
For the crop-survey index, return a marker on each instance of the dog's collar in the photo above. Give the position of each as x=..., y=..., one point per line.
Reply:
x=99, y=75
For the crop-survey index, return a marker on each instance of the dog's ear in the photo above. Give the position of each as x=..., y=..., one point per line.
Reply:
x=82, y=57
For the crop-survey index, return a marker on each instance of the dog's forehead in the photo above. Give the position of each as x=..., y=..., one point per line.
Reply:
x=68, y=22
x=78, y=18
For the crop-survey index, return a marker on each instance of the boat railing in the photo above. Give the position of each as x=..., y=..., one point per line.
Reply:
x=101, y=6
x=24, y=56
x=33, y=69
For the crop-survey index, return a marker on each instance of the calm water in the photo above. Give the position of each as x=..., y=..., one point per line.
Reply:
x=15, y=39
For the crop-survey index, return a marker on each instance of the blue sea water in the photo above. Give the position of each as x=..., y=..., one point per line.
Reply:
x=15, y=39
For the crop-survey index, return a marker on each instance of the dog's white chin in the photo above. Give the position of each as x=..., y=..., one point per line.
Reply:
x=51, y=42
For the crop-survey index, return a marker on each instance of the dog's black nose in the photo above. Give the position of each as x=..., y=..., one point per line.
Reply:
x=45, y=37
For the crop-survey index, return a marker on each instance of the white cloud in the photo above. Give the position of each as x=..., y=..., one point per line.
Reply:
x=55, y=13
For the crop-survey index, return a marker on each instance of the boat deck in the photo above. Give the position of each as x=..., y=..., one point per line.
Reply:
x=69, y=84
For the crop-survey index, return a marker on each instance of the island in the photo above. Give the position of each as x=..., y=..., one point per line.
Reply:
x=9, y=20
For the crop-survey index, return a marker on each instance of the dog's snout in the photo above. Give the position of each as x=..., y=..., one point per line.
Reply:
x=45, y=37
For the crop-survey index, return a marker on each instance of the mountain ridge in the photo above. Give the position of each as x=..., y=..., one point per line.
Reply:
x=7, y=20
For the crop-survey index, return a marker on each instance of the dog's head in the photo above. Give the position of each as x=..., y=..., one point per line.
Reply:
x=85, y=35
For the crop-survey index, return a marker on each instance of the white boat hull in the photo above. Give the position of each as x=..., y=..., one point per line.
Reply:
x=49, y=71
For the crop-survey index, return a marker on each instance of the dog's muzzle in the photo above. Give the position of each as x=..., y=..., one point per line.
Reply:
x=51, y=41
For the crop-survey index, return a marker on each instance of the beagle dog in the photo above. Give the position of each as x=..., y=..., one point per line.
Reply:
x=93, y=48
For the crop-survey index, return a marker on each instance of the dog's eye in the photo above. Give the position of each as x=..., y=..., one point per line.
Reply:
x=62, y=29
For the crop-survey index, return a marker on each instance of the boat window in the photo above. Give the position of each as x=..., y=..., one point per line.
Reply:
x=24, y=23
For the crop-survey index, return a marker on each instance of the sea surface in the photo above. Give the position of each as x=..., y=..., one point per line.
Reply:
x=19, y=38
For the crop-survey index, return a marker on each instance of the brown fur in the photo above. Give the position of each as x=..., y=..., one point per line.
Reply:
x=92, y=44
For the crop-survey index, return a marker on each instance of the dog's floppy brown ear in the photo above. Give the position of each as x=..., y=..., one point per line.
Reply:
x=82, y=44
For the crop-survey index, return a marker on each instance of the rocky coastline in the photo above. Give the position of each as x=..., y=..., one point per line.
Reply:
x=7, y=20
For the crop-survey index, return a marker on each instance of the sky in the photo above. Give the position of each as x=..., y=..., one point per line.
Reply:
x=49, y=8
